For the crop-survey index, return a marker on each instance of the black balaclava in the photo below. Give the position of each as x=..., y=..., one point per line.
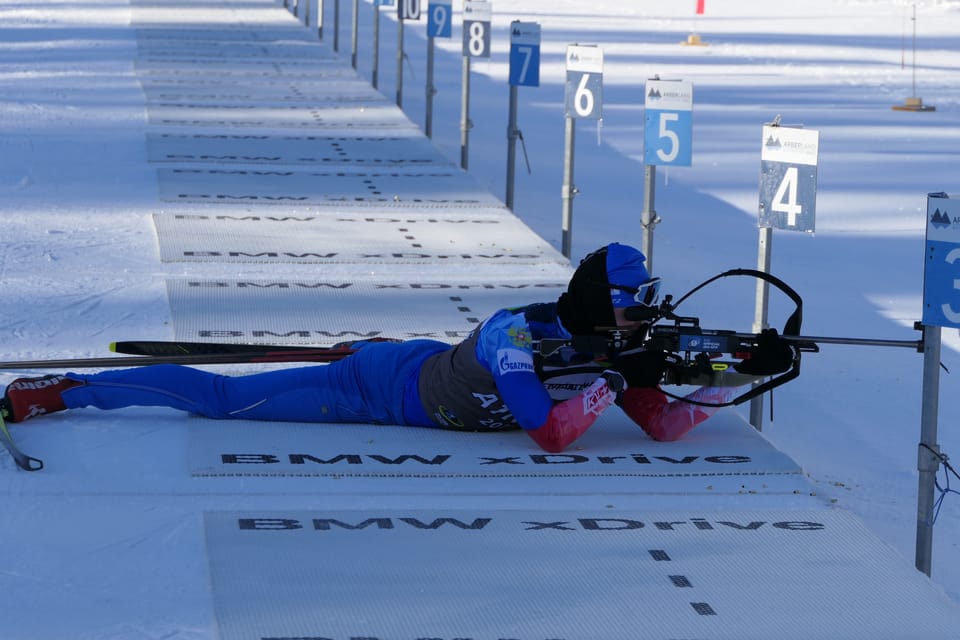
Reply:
x=586, y=303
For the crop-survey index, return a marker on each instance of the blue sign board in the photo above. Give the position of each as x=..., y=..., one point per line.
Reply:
x=668, y=127
x=524, y=54
x=439, y=18
x=941, y=272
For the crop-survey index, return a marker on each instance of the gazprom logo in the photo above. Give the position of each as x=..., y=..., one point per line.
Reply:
x=514, y=360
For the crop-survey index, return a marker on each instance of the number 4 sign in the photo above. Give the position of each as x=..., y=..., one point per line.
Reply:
x=788, y=178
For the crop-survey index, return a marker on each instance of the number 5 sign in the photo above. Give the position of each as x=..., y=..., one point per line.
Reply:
x=788, y=178
x=668, y=130
x=941, y=273
x=584, y=89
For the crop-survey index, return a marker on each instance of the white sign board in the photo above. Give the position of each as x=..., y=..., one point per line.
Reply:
x=788, y=178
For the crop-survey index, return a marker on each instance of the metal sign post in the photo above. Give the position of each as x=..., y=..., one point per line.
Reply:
x=375, y=65
x=941, y=308
x=524, y=72
x=313, y=15
x=477, y=15
x=354, y=33
x=336, y=25
x=788, y=196
x=406, y=10
x=583, y=98
x=439, y=25
x=667, y=140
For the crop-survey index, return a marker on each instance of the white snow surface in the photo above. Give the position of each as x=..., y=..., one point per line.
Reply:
x=80, y=264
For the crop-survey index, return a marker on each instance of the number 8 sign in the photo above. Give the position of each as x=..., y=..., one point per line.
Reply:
x=476, y=28
x=788, y=178
x=584, y=88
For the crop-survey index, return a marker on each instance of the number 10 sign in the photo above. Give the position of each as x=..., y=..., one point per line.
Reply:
x=788, y=178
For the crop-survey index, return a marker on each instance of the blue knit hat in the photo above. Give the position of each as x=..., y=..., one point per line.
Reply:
x=625, y=267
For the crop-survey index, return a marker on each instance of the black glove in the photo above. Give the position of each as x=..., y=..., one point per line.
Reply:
x=641, y=368
x=772, y=355
x=616, y=383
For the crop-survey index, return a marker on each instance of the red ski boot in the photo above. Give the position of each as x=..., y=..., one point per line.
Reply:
x=27, y=398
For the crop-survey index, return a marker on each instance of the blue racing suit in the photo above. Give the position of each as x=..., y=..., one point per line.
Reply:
x=493, y=380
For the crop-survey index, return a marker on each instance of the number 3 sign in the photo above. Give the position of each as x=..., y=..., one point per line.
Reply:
x=941, y=274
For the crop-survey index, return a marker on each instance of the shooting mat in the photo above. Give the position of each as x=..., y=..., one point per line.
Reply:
x=402, y=149
x=328, y=311
x=290, y=92
x=346, y=116
x=614, y=447
x=211, y=52
x=570, y=574
x=150, y=31
x=426, y=188
x=151, y=65
x=461, y=238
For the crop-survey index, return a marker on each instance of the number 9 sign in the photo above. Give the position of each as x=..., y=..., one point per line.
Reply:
x=439, y=13
x=584, y=88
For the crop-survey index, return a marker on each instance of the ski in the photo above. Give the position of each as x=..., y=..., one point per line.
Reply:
x=25, y=462
x=265, y=355
x=177, y=347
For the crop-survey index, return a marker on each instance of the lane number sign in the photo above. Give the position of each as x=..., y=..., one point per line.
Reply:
x=788, y=178
x=439, y=14
x=583, y=96
x=525, y=54
x=668, y=123
x=941, y=272
x=477, y=15
x=408, y=9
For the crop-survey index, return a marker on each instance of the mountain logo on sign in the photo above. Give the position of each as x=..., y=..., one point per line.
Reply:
x=940, y=219
x=773, y=143
x=654, y=93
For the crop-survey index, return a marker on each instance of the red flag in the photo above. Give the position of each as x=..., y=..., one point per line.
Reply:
x=700, y=7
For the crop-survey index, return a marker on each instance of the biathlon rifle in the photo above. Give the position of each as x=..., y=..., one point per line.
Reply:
x=706, y=357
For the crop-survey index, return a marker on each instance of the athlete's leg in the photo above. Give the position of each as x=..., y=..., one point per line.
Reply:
x=364, y=387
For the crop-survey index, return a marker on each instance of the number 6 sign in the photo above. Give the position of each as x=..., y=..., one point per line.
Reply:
x=788, y=178
x=584, y=89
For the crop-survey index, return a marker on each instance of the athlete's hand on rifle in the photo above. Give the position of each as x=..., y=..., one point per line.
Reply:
x=641, y=368
x=615, y=381
x=772, y=355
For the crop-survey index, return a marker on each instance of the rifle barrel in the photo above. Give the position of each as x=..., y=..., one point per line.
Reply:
x=865, y=342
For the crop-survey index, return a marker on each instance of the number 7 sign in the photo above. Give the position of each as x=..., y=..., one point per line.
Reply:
x=788, y=178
